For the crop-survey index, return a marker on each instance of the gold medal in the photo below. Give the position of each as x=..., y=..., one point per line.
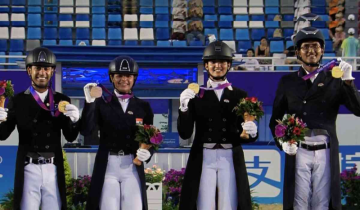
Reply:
x=194, y=87
x=336, y=72
x=62, y=105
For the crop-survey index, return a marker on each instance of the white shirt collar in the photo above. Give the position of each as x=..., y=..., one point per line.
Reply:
x=118, y=95
x=42, y=95
x=214, y=84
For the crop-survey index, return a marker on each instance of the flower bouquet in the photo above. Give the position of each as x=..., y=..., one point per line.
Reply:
x=350, y=187
x=148, y=136
x=173, y=181
x=290, y=129
x=154, y=174
x=250, y=109
x=6, y=91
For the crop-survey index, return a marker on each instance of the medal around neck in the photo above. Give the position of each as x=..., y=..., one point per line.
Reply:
x=336, y=72
x=62, y=105
x=194, y=87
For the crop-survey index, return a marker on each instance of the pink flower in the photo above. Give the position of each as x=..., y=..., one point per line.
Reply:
x=2, y=91
x=253, y=99
x=280, y=131
x=297, y=131
x=156, y=139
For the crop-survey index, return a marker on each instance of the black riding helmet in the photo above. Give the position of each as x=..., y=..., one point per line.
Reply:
x=309, y=34
x=123, y=65
x=41, y=56
x=218, y=50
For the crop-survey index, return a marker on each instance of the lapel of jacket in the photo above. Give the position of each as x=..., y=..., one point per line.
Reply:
x=33, y=106
x=116, y=106
x=317, y=85
x=301, y=88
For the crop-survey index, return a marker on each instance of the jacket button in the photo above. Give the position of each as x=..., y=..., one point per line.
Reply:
x=321, y=113
x=224, y=129
x=35, y=120
x=128, y=136
x=48, y=135
x=304, y=113
x=304, y=102
x=224, y=119
x=210, y=119
x=210, y=129
x=34, y=134
x=238, y=131
x=209, y=139
x=47, y=147
x=224, y=139
x=36, y=147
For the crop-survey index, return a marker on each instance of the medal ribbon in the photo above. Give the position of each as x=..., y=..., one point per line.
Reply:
x=108, y=98
x=37, y=98
x=325, y=67
x=219, y=87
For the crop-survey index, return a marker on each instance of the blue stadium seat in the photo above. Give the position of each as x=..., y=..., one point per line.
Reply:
x=162, y=10
x=114, y=34
x=18, y=9
x=161, y=24
x=162, y=34
x=18, y=2
x=53, y=10
x=4, y=9
x=270, y=17
x=225, y=10
x=209, y=10
x=195, y=43
x=49, y=42
x=114, y=20
x=98, y=10
x=2, y=60
x=16, y=45
x=258, y=17
x=34, y=20
x=131, y=43
x=161, y=3
x=288, y=17
x=210, y=17
x=98, y=33
x=51, y=3
x=179, y=44
x=257, y=34
x=228, y=3
x=270, y=33
x=146, y=3
x=256, y=44
x=318, y=3
x=115, y=43
x=98, y=2
x=5, y=23
x=82, y=18
x=276, y=46
x=208, y=31
x=243, y=46
x=146, y=10
x=65, y=17
x=65, y=33
x=113, y=9
x=287, y=33
x=226, y=34
x=242, y=34
x=272, y=24
x=289, y=44
x=147, y=43
x=226, y=18
x=329, y=47
x=98, y=21
x=318, y=10
x=146, y=24
x=33, y=33
x=272, y=3
x=162, y=18
x=209, y=2
x=66, y=42
x=319, y=24
x=325, y=17
x=18, y=23
x=50, y=33
x=209, y=24
x=4, y=2
x=272, y=10
x=3, y=45
x=33, y=9
x=50, y=20
x=163, y=44
x=325, y=32
x=13, y=60
x=225, y=24
x=34, y=2
x=82, y=33
x=77, y=42
x=242, y=18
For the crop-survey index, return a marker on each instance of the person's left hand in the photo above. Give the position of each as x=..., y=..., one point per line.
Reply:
x=73, y=112
x=143, y=154
x=347, y=69
x=250, y=128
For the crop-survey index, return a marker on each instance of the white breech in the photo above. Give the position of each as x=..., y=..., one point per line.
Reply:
x=40, y=187
x=217, y=172
x=121, y=185
x=312, y=176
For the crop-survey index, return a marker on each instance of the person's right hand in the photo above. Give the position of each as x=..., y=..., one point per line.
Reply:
x=290, y=149
x=88, y=90
x=3, y=114
x=185, y=97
